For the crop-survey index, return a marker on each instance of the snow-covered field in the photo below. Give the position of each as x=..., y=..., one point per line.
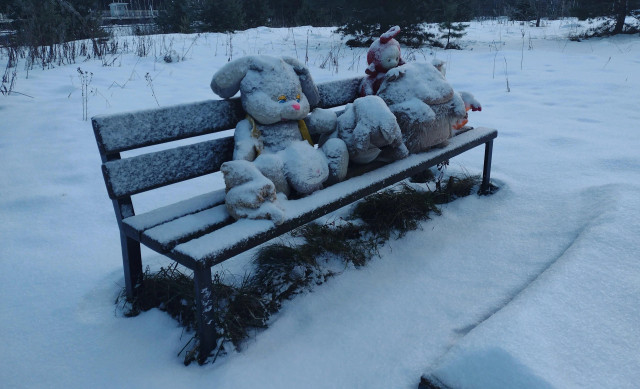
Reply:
x=536, y=286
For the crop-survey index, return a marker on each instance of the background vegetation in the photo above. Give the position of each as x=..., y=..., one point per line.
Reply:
x=48, y=33
x=46, y=22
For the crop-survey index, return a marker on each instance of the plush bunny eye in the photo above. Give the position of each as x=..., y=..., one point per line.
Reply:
x=282, y=99
x=298, y=98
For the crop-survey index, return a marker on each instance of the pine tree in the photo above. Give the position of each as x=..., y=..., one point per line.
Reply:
x=176, y=16
x=4, y=6
x=49, y=22
x=614, y=11
x=323, y=12
x=450, y=32
x=223, y=15
x=449, y=14
x=256, y=13
x=313, y=13
x=371, y=18
x=524, y=11
x=284, y=12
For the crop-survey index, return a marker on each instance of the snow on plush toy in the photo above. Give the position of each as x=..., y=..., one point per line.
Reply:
x=368, y=128
x=470, y=102
x=370, y=131
x=424, y=104
x=277, y=94
x=249, y=193
x=383, y=54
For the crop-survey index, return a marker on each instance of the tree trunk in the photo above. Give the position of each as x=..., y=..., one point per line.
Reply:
x=620, y=9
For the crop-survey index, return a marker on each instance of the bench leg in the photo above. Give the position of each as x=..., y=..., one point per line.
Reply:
x=204, y=309
x=485, y=187
x=132, y=263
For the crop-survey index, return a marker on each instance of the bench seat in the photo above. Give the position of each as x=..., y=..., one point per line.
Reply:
x=199, y=232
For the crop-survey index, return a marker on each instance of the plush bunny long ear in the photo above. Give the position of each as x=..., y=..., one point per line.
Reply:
x=387, y=36
x=308, y=86
x=226, y=81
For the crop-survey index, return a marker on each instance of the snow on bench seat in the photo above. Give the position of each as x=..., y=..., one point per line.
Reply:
x=136, y=225
x=237, y=237
x=165, y=236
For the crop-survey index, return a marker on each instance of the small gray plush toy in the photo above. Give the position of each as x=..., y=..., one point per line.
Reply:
x=277, y=94
x=368, y=128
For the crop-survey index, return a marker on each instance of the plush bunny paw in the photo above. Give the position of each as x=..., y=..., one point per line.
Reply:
x=249, y=193
x=338, y=157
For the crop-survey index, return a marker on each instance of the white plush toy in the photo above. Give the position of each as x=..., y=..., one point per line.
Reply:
x=470, y=102
x=425, y=105
x=276, y=93
x=423, y=102
x=368, y=128
x=249, y=193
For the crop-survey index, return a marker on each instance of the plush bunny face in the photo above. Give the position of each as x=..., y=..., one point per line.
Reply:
x=384, y=53
x=384, y=56
x=272, y=89
x=272, y=93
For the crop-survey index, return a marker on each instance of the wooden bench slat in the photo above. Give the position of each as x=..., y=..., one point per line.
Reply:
x=242, y=235
x=136, y=225
x=133, y=175
x=165, y=236
x=339, y=92
x=131, y=130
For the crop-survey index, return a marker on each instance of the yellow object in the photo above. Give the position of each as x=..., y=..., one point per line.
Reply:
x=304, y=131
x=255, y=132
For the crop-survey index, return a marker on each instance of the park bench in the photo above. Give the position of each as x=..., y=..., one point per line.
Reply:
x=199, y=233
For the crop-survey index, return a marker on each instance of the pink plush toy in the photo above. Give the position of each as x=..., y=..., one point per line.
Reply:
x=383, y=54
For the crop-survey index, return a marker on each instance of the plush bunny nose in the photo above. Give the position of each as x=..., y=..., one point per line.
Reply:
x=296, y=106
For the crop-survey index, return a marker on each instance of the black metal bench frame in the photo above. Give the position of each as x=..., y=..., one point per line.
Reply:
x=199, y=247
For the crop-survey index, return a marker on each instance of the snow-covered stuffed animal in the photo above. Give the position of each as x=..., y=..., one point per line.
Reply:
x=384, y=54
x=426, y=107
x=470, y=102
x=368, y=128
x=249, y=193
x=276, y=94
x=425, y=104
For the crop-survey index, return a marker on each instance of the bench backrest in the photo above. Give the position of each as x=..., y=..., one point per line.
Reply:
x=129, y=131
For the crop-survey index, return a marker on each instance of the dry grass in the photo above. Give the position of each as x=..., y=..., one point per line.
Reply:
x=285, y=269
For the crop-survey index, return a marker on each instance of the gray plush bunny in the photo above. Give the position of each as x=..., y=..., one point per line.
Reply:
x=277, y=94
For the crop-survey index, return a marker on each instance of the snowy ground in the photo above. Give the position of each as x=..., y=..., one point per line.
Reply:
x=536, y=286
